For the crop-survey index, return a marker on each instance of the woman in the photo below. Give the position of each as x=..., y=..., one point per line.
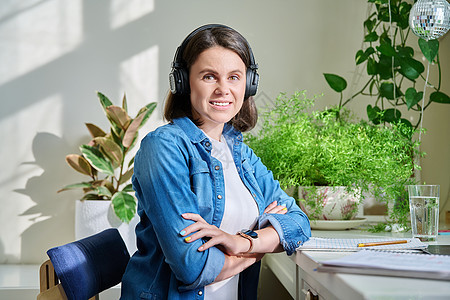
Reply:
x=199, y=185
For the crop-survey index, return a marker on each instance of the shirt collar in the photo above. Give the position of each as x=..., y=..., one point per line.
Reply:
x=196, y=135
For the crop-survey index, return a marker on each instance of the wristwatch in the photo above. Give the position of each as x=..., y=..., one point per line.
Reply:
x=249, y=235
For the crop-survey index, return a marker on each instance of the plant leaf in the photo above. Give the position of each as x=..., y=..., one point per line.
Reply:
x=373, y=113
x=147, y=110
x=411, y=68
x=392, y=115
x=128, y=188
x=97, y=160
x=336, y=82
x=369, y=24
x=429, y=48
x=384, y=67
x=118, y=117
x=406, y=122
x=124, y=206
x=405, y=51
x=387, y=91
x=94, y=130
x=75, y=186
x=110, y=150
x=104, y=191
x=104, y=101
x=132, y=130
x=125, y=103
x=91, y=196
x=125, y=177
x=79, y=163
x=371, y=37
x=439, y=97
x=371, y=66
x=412, y=97
x=386, y=49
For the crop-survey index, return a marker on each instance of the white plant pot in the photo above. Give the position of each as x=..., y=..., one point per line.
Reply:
x=93, y=216
x=331, y=203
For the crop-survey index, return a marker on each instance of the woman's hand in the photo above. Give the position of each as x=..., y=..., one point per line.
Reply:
x=274, y=208
x=230, y=244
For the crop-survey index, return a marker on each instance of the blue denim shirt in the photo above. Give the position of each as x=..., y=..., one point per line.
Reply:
x=175, y=173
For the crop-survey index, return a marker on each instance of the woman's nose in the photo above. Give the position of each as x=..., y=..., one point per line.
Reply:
x=222, y=88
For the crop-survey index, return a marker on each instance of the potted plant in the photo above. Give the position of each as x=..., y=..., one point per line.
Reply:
x=107, y=159
x=304, y=147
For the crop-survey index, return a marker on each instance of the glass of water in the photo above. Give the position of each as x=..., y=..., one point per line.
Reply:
x=424, y=208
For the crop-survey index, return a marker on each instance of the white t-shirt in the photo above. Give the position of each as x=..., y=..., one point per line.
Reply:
x=241, y=212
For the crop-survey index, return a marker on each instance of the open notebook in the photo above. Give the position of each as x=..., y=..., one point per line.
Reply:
x=370, y=262
x=330, y=244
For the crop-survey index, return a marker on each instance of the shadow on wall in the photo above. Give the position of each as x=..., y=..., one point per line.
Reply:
x=52, y=216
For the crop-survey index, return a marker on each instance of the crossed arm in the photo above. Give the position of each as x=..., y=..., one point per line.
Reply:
x=232, y=245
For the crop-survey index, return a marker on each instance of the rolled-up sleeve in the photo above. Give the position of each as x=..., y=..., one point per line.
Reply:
x=162, y=184
x=293, y=227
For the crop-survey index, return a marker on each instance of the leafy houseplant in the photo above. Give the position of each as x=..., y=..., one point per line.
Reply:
x=391, y=67
x=104, y=159
x=304, y=147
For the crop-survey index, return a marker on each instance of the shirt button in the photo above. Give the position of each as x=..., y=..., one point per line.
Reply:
x=254, y=195
x=200, y=293
x=217, y=167
x=219, y=196
x=207, y=144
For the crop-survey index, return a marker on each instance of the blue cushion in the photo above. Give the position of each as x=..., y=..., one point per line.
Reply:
x=90, y=265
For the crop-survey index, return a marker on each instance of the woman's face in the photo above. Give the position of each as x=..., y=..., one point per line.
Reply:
x=217, y=80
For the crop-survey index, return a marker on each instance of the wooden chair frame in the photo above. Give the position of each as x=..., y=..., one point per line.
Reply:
x=50, y=287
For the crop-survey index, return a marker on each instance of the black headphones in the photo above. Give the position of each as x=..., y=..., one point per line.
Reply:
x=179, y=75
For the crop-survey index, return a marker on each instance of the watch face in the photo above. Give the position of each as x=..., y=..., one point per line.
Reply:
x=251, y=233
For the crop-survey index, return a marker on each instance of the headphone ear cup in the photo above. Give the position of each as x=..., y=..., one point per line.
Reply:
x=179, y=81
x=252, y=83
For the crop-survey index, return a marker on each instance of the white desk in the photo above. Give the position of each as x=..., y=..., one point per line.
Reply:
x=297, y=274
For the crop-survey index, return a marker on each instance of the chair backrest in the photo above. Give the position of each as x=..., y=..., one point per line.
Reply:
x=91, y=265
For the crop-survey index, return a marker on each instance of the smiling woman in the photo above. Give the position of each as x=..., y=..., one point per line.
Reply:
x=209, y=209
x=217, y=81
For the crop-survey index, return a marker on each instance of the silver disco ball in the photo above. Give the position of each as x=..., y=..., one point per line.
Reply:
x=430, y=19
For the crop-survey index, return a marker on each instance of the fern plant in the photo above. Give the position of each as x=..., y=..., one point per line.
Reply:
x=330, y=147
x=105, y=159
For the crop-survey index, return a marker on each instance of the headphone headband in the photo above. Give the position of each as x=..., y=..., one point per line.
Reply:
x=179, y=75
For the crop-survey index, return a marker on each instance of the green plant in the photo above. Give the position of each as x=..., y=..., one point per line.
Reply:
x=390, y=62
x=304, y=147
x=104, y=159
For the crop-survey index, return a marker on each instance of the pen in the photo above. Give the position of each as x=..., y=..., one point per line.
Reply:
x=381, y=243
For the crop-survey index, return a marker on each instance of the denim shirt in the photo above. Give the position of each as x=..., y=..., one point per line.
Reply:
x=174, y=173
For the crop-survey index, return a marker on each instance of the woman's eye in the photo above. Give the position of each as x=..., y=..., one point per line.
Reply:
x=208, y=77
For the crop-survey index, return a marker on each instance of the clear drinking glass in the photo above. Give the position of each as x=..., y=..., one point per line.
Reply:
x=424, y=208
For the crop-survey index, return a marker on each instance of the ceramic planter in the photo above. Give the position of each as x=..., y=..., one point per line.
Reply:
x=329, y=202
x=93, y=216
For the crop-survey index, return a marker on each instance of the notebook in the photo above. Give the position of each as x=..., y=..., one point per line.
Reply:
x=371, y=262
x=330, y=244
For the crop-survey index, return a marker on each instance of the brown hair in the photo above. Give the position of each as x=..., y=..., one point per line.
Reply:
x=180, y=106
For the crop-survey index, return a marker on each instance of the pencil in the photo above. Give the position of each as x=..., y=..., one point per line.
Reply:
x=381, y=243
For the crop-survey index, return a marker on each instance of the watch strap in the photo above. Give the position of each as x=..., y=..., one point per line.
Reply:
x=249, y=238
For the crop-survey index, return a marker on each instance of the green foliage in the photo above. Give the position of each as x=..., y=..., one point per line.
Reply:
x=304, y=147
x=103, y=159
x=389, y=60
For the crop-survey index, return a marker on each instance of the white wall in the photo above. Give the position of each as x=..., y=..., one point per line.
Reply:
x=55, y=54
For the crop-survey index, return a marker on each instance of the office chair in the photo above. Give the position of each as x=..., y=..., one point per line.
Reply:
x=82, y=269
